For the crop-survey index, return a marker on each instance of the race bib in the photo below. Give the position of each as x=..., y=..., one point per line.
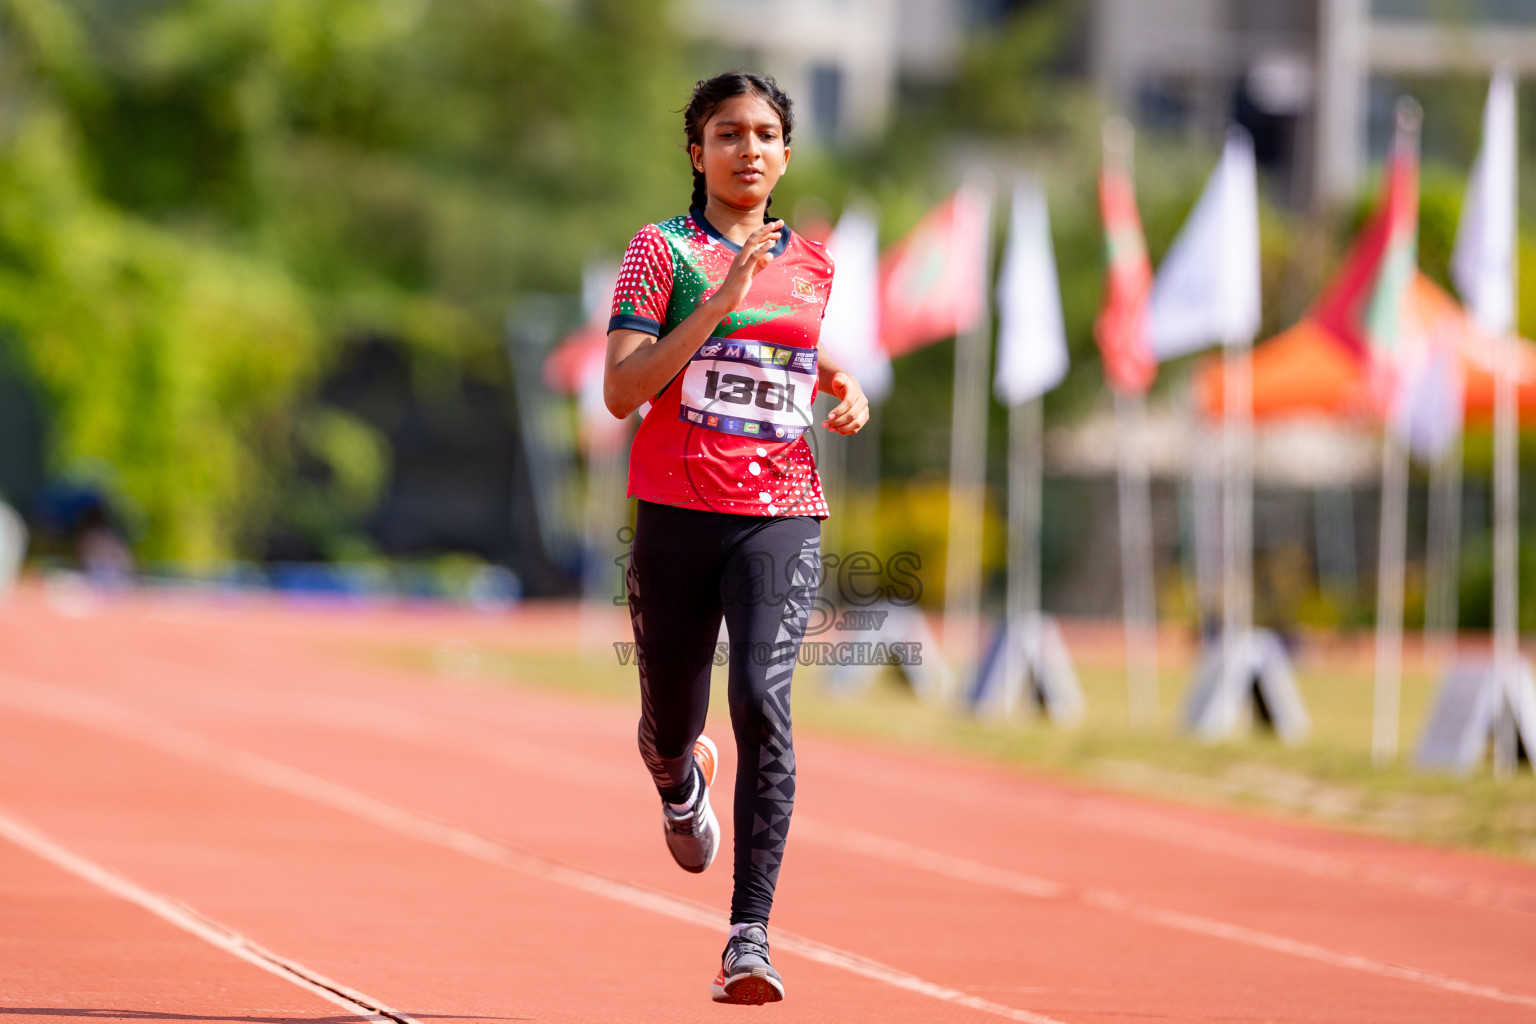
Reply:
x=750, y=389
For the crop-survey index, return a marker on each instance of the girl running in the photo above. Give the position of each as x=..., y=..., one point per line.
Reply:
x=716, y=320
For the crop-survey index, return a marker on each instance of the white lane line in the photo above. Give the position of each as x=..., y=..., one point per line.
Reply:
x=961, y=869
x=1177, y=832
x=71, y=704
x=1115, y=903
x=366, y=1007
x=897, y=852
x=59, y=702
x=1105, y=814
x=372, y=717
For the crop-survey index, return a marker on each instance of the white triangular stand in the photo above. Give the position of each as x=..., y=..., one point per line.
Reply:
x=887, y=624
x=1466, y=713
x=1027, y=669
x=1256, y=684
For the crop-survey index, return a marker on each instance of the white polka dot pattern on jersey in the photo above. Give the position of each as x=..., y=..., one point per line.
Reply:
x=645, y=277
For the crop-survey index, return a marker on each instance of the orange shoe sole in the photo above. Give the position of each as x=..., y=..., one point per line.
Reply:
x=751, y=990
x=708, y=757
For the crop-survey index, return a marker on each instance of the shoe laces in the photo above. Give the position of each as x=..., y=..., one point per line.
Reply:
x=752, y=941
x=684, y=825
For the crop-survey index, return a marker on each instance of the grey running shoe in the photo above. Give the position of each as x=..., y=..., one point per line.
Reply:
x=694, y=836
x=746, y=977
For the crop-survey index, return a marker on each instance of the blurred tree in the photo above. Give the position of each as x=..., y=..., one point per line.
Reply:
x=206, y=198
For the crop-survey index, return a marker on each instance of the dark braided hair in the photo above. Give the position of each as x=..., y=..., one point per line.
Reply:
x=709, y=94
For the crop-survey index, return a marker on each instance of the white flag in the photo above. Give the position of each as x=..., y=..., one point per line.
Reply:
x=1031, y=339
x=1207, y=289
x=850, y=331
x=1482, y=263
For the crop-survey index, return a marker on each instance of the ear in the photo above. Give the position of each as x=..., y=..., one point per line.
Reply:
x=696, y=156
x=786, y=161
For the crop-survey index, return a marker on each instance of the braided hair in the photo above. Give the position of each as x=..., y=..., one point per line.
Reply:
x=709, y=94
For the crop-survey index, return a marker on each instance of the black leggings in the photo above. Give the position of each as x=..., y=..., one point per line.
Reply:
x=687, y=568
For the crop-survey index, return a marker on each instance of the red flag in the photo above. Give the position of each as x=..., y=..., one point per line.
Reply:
x=1121, y=327
x=1366, y=301
x=575, y=366
x=578, y=356
x=933, y=282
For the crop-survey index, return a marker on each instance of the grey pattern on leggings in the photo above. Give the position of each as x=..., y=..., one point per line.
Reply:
x=687, y=569
x=776, y=756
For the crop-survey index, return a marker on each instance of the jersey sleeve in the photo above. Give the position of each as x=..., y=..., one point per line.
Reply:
x=645, y=284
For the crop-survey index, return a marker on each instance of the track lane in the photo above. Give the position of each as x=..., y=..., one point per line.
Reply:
x=936, y=783
x=1292, y=915
x=416, y=921
x=70, y=949
x=1075, y=958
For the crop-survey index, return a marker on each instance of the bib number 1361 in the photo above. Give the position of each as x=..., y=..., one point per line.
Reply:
x=737, y=389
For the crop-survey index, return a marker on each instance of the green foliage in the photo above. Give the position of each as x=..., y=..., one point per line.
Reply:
x=208, y=200
x=168, y=360
x=205, y=199
x=1007, y=83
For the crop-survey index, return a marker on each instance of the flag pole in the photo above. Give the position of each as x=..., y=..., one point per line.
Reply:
x=1135, y=506
x=1506, y=523
x=1389, y=598
x=967, y=466
x=1237, y=510
x=1391, y=543
x=1024, y=492
x=1136, y=559
x=1237, y=410
x=1443, y=568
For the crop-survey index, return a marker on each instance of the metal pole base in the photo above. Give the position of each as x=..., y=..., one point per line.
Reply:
x=1252, y=683
x=1470, y=713
x=1027, y=670
x=863, y=641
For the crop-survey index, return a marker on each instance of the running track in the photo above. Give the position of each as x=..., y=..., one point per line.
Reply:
x=239, y=813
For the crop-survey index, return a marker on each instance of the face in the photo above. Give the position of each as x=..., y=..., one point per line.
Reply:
x=743, y=154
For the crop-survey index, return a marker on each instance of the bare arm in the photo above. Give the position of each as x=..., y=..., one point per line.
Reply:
x=852, y=412
x=638, y=364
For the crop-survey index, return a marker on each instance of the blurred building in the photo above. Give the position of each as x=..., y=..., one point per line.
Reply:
x=1298, y=74
x=842, y=60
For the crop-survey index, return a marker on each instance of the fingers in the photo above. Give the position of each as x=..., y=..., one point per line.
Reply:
x=756, y=253
x=773, y=226
x=764, y=237
x=848, y=416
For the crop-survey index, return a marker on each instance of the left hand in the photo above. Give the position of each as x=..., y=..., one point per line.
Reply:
x=852, y=412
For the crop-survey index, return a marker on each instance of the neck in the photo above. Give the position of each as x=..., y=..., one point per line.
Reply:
x=735, y=224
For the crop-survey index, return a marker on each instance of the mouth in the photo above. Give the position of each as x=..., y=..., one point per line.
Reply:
x=749, y=174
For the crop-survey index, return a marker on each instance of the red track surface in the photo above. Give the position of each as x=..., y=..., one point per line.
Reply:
x=457, y=851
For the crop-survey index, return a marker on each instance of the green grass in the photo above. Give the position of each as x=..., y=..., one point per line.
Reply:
x=1329, y=777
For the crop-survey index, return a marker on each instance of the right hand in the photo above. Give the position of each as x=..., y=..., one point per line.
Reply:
x=755, y=254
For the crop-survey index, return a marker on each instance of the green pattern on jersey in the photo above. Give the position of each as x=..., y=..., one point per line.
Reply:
x=699, y=265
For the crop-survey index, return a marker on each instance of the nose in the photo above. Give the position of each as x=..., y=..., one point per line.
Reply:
x=750, y=144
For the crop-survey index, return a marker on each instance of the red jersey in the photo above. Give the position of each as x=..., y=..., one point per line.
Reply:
x=732, y=431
